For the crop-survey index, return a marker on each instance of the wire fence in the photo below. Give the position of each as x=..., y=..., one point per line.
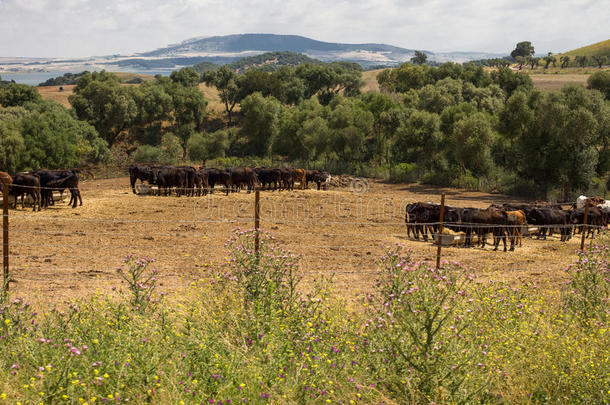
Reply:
x=330, y=235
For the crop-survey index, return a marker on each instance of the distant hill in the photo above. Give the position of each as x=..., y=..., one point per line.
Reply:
x=204, y=67
x=222, y=50
x=271, y=61
x=599, y=49
x=66, y=79
x=244, y=45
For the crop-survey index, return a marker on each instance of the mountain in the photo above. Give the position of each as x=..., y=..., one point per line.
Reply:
x=222, y=50
x=241, y=45
x=598, y=49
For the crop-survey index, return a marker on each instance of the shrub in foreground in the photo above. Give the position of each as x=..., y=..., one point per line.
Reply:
x=250, y=331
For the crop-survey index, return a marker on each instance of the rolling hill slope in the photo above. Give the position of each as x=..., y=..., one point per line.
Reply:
x=598, y=49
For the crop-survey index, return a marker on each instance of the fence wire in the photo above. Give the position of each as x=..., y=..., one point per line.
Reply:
x=38, y=254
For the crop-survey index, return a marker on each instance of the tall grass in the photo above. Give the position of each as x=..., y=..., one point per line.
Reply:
x=252, y=331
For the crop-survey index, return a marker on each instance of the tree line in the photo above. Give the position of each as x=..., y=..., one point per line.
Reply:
x=458, y=125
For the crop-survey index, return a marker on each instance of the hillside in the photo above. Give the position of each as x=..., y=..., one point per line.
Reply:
x=268, y=43
x=599, y=49
x=213, y=49
x=271, y=61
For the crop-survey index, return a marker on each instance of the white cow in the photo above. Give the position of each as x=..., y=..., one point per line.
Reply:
x=581, y=201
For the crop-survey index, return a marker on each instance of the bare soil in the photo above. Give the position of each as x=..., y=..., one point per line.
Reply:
x=63, y=253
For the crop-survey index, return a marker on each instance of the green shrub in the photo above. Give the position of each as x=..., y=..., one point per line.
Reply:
x=588, y=294
x=404, y=173
x=419, y=330
x=148, y=154
x=467, y=181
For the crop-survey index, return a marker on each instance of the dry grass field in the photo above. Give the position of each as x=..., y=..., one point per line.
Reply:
x=556, y=82
x=53, y=93
x=370, y=81
x=63, y=253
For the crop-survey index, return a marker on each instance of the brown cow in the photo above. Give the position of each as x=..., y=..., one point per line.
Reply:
x=5, y=178
x=300, y=177
x=516, y=220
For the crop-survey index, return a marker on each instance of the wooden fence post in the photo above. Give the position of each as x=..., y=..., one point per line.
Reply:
x=5, y=268
x=439, y=240
x=257, y=219
x=585, y=227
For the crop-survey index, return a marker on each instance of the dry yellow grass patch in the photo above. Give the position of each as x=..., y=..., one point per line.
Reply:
x=370, y=81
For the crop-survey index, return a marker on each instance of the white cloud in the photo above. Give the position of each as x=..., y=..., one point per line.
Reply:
x=95, y=27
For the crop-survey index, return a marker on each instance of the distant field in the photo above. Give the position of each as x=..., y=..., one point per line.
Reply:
x=53, y=92
x=556, y=82
x=370, y=80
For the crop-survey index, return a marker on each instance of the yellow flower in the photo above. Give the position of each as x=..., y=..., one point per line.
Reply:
x=3, y=395
x=7, y=322
x=95, y=341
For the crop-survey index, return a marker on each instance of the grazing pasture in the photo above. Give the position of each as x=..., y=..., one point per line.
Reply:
x=62, y=253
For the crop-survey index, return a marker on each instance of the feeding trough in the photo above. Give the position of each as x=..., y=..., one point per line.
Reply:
x=144, y=189
x=445, y=239
x=28, y=199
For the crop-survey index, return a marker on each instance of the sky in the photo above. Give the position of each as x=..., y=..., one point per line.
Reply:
x=80, y=28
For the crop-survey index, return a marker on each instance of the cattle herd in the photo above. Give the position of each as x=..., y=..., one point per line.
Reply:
x=197, y=181
x=41, y=184
x=508, y=221
x=503, y=221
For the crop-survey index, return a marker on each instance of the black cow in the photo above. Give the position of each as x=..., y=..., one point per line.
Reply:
x=168, y=177
x=189, y=175
x=142, y=173
x=243, y=176
x=268, y=176
x=26, y=183
x=549, y=217
x=70, y=182
x=60, y=181
x=483, y=222
x=317, y=177
x=201, y=182
x=595, y=218
x=287, y=178
x=217, y=176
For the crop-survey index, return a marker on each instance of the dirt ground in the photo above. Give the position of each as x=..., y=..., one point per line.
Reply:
x=63, y=253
